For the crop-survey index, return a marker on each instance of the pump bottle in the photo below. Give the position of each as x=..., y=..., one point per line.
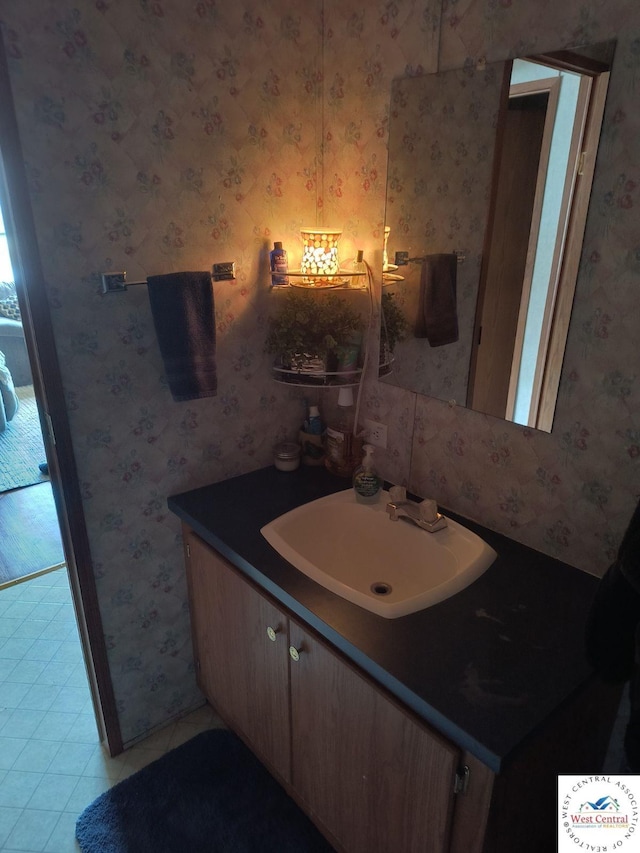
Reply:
x=366, y=482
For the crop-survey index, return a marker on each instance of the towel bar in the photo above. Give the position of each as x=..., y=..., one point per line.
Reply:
x=402, y=258
x=116, y=282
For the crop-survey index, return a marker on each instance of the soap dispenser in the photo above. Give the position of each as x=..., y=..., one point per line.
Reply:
x=366, y=482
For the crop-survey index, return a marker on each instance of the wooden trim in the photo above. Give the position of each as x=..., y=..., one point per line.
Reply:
x=572, y=254
x=568, y=60
x=551, y=85
x=36, y=318
x=555, y=278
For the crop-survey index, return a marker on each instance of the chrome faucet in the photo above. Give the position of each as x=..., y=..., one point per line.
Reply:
x=424, y=514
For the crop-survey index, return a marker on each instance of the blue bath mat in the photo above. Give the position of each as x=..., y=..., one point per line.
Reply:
x=210, y=795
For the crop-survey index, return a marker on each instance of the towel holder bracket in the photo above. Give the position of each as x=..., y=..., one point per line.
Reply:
x=113, y=282
x=116, y=282
x=225, y=271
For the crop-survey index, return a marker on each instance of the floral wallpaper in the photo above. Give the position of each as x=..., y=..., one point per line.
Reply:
x=161, y=136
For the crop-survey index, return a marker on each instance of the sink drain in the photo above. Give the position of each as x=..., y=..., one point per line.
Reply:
x=380, y=588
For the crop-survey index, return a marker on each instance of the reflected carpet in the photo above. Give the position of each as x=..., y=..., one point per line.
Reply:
x=21, y=445
x=210, y=794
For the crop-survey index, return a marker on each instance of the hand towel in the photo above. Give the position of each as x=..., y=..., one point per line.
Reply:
x=437, y=311
x=613, y=631
x=612, y=639
x=184, y=318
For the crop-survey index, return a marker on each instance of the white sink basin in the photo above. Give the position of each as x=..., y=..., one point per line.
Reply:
x=388, y=567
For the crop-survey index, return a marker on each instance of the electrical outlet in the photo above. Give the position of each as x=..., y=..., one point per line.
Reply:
x=376, y=433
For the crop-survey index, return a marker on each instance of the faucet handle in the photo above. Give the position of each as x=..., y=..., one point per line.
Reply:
x=428, y=509
x=397, y=493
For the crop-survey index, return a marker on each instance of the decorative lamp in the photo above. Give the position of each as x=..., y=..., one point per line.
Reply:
x=320, y=252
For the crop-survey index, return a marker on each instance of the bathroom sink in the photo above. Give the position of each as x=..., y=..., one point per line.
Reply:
x=391, y=568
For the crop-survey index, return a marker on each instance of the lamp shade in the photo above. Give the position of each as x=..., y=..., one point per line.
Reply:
x=320, y=251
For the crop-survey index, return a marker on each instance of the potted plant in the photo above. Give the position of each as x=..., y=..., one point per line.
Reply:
x=393, y=329
x=309, y=331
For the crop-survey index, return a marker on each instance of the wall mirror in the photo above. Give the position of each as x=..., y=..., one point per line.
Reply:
x=494, y=165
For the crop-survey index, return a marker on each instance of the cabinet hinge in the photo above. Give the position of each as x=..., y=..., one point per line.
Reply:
x=188, y=550
x=461, y=781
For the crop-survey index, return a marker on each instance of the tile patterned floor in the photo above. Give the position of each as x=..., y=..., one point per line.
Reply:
x=51, y=763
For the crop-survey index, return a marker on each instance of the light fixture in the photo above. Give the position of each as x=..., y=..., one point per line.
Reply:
x=320, y=252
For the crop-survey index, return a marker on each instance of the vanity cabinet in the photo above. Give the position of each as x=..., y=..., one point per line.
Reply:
x=240, y=670
x=495, y=677
x=372, y=777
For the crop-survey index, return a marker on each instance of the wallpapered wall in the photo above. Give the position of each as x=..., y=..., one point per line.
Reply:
x=165, y=135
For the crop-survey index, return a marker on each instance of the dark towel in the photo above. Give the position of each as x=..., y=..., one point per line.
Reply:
x=184, y=317
x=613, y=631
x=437, y=312
x=612, y=627
x=629, y=552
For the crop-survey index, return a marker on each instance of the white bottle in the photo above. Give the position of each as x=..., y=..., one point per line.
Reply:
x=358, y=266
x=367, y=485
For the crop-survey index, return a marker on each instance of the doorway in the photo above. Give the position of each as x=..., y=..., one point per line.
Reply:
x=49, y=393
x=25, y=487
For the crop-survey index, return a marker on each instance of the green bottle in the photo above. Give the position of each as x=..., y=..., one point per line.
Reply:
x=366, y=482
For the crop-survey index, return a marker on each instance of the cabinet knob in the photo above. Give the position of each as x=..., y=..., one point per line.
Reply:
x=294, y=653
x=272, y=632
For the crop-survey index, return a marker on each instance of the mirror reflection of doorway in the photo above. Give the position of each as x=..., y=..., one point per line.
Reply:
x=546, y=154
x=522, y=141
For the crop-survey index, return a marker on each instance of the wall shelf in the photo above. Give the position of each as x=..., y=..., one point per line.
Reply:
x=340, y=281
x=308, y=379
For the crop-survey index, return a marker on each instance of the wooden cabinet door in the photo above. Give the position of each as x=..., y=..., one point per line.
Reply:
x=242, y=672
x=377, y=780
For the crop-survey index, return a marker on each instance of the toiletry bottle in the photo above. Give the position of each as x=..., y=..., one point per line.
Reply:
x=358, y=266
x=278, y=265
x=315, y=421
x=366, y=483
x=341, y=445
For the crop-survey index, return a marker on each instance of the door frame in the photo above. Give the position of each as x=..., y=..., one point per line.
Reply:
x=551, y=87
x=52, y=411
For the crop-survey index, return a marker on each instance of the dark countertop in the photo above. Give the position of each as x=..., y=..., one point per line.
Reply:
x=485, y=667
